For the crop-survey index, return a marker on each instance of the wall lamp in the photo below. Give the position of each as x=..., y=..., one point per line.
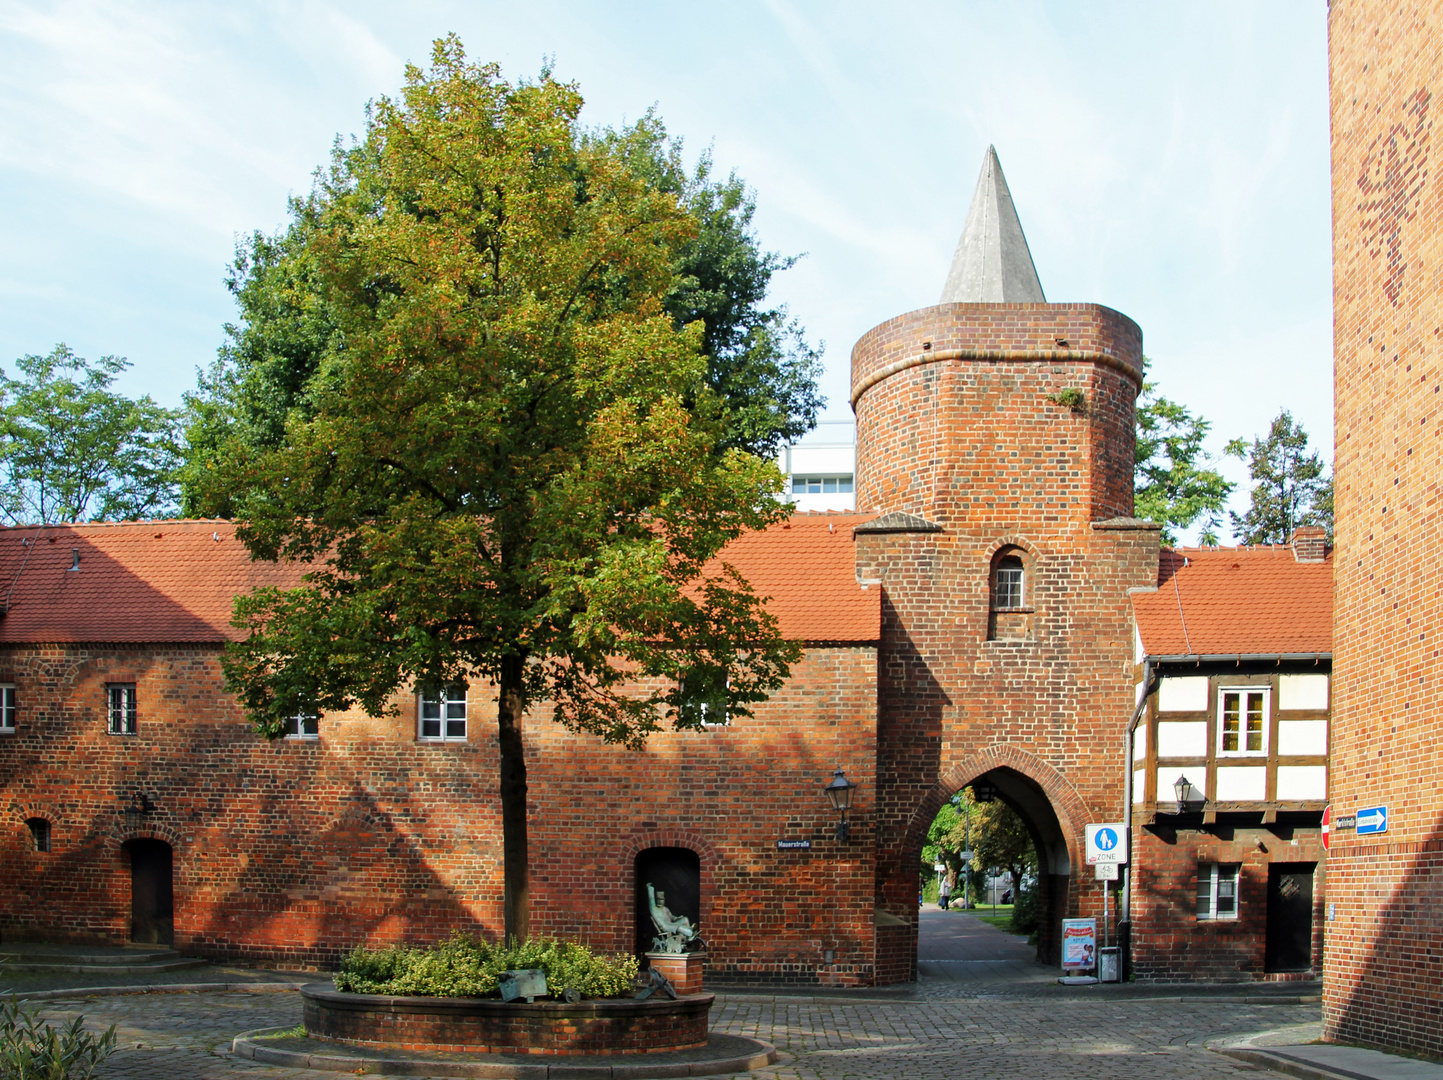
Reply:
x=983, y=792
x=137, y=810
x=839, y=791
x=1186, y=794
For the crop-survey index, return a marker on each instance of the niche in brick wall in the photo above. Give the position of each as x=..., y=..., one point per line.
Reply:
x=675, y=871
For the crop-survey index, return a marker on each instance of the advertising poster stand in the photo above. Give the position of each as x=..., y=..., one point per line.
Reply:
x=1079, y=951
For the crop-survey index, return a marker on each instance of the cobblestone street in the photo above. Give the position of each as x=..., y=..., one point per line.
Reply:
x=187, y=1036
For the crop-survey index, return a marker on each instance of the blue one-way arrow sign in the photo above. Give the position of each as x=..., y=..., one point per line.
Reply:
x=1372, y=820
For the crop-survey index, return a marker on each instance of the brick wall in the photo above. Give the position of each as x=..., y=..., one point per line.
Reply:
x=959, y=422
x=1385, y=945
x=1170, y=943
x=292, y=852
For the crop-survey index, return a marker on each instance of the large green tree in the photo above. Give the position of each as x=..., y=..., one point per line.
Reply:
x=1291, y=486
x=72, y=448
x=760, y=368
x=508, y=464
x=1174, y=482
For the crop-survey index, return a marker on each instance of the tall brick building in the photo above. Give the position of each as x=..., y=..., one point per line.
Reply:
x=1385, y=924
x=976, y=620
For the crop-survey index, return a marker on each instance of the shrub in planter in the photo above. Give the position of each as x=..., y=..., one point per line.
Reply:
x=31, y=1049
x=465, y=966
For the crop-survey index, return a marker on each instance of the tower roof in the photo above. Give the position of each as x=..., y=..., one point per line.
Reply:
x=992, y=264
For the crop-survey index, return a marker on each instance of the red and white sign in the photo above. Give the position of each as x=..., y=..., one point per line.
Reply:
x=1327, y=824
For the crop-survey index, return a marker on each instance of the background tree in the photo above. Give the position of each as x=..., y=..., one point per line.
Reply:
x=506, y=463
x=1290, y=485
x=1000, y=841
x=942, y=846
x=73, y=449
x=1174, y=484
x=760, y=369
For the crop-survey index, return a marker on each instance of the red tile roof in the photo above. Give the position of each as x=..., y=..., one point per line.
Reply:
x=146, y=581
x=1214, y=601
x=807, y=567
x=174, y=581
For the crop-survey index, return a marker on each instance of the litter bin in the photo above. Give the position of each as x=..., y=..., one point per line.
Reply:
x=1107, y=964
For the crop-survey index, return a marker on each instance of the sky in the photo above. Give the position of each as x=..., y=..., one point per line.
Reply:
x=1169, y=160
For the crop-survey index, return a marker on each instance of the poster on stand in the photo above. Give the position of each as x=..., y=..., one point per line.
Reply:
x=1079, y=944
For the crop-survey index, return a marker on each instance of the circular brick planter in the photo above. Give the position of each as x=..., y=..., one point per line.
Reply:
x=488, y=1025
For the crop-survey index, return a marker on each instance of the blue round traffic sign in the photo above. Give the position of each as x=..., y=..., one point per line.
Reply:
x=1106, y=840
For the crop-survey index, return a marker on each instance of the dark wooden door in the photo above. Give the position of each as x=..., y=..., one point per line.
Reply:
x=152, y=903
x=1290, y=917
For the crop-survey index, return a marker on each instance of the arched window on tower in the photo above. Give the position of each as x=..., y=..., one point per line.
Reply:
x=1010, y=614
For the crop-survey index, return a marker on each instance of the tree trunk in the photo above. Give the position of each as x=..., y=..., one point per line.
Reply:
x=513, y=802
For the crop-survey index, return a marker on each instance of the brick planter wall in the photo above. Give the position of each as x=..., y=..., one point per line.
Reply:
x=621, y=1026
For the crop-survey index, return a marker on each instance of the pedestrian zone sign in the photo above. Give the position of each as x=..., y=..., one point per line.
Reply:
x=1105, y=843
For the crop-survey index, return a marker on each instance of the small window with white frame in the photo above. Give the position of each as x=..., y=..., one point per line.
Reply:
x=120, y=711
x=821, y=485
x=1243, y=721
x=304, y=725
x=1217, y=891
x=441, y=714
x=7, y=707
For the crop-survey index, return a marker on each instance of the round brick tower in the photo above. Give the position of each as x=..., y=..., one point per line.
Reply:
x=995, y=436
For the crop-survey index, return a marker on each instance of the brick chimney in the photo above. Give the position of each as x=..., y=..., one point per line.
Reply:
x=1310, y=543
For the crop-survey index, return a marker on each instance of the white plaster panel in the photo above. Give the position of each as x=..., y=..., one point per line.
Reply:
x=1197, y=776
x=1182, y=739
x=1241, y=785
x=1302, y=782
x=1302, y=692
x=1186, y=694
x=1139, y=786
x=1139, y=742
x=1302, y=737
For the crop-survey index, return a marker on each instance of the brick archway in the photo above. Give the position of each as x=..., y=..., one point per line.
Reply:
x=1067, y=804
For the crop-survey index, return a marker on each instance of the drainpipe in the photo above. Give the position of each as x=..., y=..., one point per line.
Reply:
x=1124, y=928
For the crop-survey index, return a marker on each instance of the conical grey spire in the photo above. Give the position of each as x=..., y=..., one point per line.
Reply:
x=992, y=264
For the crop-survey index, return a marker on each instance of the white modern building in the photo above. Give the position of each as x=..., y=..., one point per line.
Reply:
x=821, y=471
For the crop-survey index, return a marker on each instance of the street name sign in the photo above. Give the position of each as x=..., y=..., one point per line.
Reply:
x=1372, y=820
x=1105, y=843
x=794, y=845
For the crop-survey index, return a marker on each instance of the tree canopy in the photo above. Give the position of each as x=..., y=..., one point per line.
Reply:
x=1174, y=483
x=760, y=368
x=501, y=458
x=1290, y=485
x=74, y=449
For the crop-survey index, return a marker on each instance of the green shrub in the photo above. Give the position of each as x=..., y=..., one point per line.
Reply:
x=467, y=967
x=31, y=1049
x=1025, y=915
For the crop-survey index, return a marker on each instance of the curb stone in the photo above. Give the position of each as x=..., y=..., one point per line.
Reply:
x=755, y=1055
x=160, y=988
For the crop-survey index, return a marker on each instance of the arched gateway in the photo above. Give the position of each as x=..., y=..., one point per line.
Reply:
x=995, y=437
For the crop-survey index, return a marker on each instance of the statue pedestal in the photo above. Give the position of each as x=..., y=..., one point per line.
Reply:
x=683, y=970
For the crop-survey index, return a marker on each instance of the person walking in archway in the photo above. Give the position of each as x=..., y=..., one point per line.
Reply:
x=944, y=891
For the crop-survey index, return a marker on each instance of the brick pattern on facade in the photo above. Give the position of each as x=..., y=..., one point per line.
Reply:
x=1385, y=941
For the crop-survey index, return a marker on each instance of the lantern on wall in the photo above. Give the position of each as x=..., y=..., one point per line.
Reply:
x=839, y=793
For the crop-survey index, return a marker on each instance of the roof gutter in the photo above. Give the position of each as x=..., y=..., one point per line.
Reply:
x=1238, y=658
x=1149, y=684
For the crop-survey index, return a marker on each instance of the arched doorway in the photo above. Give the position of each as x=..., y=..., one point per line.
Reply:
x=152, y=896
x=1050, y=835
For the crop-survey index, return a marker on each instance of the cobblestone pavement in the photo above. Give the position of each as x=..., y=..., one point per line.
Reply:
x=187, y=1036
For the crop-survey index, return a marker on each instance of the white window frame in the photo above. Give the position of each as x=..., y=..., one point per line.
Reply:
x=445, y=699
x=1020, y=570
x=1214, y=880
x=1267, y=696
x=7, y=708
x=120, y=709
x=297, y=725
x=840, y=484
